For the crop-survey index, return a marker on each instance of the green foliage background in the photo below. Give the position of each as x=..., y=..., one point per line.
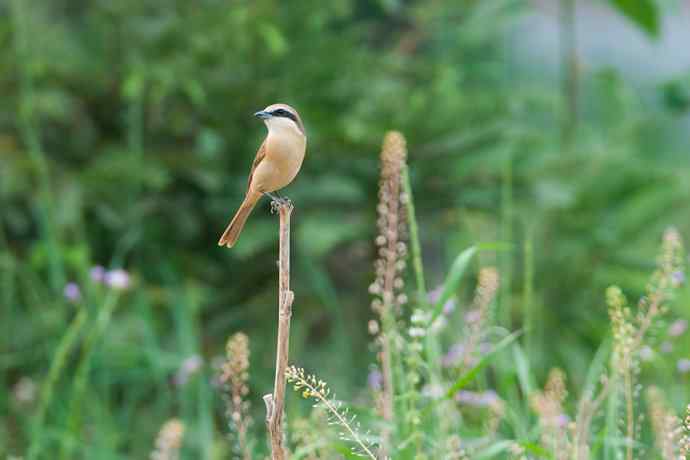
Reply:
x=126, y=136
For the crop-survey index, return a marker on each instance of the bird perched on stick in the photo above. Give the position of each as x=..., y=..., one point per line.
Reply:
x=277, y=162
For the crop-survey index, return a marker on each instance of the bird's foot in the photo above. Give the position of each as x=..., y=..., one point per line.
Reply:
x=278, y=202
x=275, y=206
x=275, y=201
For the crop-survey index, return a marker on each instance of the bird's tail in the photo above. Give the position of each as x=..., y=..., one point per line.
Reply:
x=231, y=233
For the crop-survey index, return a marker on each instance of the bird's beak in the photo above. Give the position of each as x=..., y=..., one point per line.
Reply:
x=262, y=115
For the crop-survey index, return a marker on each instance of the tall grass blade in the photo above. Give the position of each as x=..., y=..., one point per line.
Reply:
x=450, y=285
x=466, y=378
x=67, y=343
x=522, y=363
x=417, y=260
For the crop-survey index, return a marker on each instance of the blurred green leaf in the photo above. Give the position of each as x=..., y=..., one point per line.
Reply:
x=455, y=274
x=494, y=449
x=273, y=38
x=467, y=377
x=258, y=234
x=523, y=370
x=676, y=94
x=644, y=13
x=318, y=234
x=458, y=269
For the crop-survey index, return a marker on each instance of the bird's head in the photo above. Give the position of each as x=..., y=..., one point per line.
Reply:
x=279, y=117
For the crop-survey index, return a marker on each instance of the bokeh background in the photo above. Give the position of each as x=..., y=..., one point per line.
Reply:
x=559, y=128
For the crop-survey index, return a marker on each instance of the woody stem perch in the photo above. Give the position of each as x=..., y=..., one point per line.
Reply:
x=275, y=402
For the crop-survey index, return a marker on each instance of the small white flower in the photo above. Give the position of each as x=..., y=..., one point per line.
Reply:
x=417, y=332
x=117, y=279
x=24, y=391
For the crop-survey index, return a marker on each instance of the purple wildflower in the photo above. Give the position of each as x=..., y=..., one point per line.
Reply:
x=666, y=347
x=72, y=292
x=683, y=366
x=678, y=328
x=562, y=420
x=484, y=348
x=188, y=368
x=435, y=295
x=473, y=316
x=117, y=279
x=454, y=355
x=677, y=278
x=375, y=380
x=449, y=307
x=646, y=353
x=487, y=398
x=97, y=274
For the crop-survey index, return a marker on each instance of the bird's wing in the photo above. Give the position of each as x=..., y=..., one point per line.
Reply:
x=260, y=155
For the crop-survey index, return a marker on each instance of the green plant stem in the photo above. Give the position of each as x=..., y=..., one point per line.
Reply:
x=417, y=260
x=82, y=374
x=342, y=421
x=30, y=135
x=431, y=343
x=611, y=423
x=505, y=310
x=135, y=138
x=629, y=410
x=528, y=306
x=7, y=274
x=195, y=406
x=65, y=347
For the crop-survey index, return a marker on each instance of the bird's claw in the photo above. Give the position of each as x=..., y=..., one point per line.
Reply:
x=275, y=206
x=279, y=202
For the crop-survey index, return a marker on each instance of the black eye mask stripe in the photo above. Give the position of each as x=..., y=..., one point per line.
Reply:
x=284, y=113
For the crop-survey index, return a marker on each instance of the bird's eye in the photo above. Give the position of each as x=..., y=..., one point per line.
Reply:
x=280, y=112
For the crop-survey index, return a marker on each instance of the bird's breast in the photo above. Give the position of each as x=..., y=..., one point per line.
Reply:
x=287, y=150
x=284, y=155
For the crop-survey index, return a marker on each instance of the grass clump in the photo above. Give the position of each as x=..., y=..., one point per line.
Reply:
x=447, y=379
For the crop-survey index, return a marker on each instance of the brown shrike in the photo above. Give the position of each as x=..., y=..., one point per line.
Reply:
x=277, y=162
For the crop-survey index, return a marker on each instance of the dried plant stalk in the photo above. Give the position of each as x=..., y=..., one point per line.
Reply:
x=685, y=437
x=387, y=288
x=234, y=377
x=169, y=441
x=312, y=387
x=275, y=402
x=630, y=329
x=668, y=428
x=549, y=406
x=477, y=318
x=587, y=409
